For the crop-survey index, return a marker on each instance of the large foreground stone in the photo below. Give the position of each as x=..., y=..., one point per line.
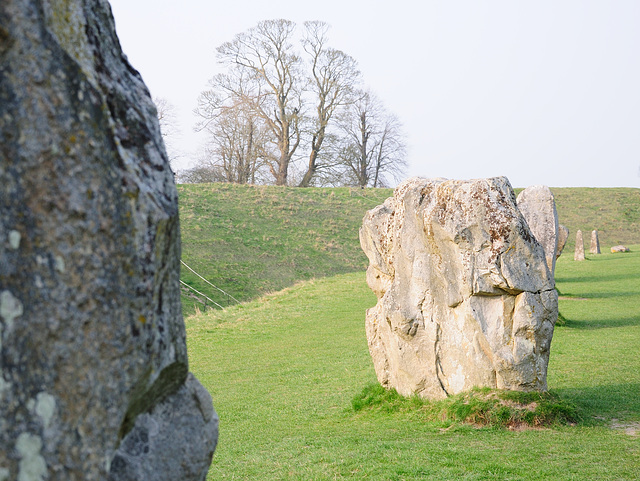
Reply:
x=465, y=297
x=94, y=381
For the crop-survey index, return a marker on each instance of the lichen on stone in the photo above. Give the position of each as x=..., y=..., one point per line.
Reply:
x=67, y=22
x=10, y=308
x=32, y=465
x=14, y=239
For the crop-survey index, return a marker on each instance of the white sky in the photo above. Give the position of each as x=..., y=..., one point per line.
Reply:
x=542, y=91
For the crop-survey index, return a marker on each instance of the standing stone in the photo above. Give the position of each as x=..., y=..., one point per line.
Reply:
x=465, y=297
x=538, y=207
x=579, y=252
x=563, y=236
x=595, y=242
x=94, y=381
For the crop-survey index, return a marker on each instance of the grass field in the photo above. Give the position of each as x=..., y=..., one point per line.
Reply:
x=284, y=368
x=615, y=212
x=251, y=240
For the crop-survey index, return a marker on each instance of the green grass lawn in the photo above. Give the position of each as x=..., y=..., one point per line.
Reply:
x=283, y=370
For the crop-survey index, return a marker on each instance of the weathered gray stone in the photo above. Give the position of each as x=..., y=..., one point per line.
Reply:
x=538, y=207
x=563, y=236
x=579, y=252
x=92, y=343
x=619, y=248
x=156, y=442
x=595, y=242
x=465, y=297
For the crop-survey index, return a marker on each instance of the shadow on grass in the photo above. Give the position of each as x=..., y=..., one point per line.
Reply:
x=601, y=324
x=596, y=278
x=596, y=295
x=619, y=401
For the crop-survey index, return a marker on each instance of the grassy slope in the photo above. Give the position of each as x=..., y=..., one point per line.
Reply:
x=283, y=369
x=614, y=212
x=252, y=240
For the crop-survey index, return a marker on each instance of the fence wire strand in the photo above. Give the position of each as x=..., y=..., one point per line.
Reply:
x=208, y=282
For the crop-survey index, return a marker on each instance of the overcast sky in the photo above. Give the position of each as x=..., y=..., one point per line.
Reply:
x=544, y=91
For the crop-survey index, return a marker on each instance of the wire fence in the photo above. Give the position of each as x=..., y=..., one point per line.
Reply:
x=228, y=297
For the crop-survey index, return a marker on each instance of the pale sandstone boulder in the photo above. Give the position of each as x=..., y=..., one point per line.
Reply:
x=578, y=254
x=563, y=236
x=465, y=297
x=94, y=380
x=538, y=207
x=619, y=248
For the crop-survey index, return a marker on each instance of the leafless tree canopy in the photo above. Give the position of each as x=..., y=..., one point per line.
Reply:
x=372, y=148
x=333, y=83
x=288, y=115
x=168, y=125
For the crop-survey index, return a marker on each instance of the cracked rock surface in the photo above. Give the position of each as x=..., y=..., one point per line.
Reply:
x=465, y=296
x=93, y=359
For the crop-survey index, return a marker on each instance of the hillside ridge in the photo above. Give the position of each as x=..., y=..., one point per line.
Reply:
x=250, y=240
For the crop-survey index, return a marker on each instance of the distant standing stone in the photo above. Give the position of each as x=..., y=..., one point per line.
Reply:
x=538, y=207
x=620, y=248
x=579, y=252
x=595, y=242
x=563, y=235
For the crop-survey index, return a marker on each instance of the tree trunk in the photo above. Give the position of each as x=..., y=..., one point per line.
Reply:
x=364, y=137
x=312, y=168
x=283, y=167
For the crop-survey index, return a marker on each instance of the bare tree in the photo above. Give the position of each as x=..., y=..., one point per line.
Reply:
x=238, y=137
x=258, y=113
x=202, y=173
x=168, y=121
x=334, y=76
x=373, y=148
x=266, y=76
x=391, y=153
